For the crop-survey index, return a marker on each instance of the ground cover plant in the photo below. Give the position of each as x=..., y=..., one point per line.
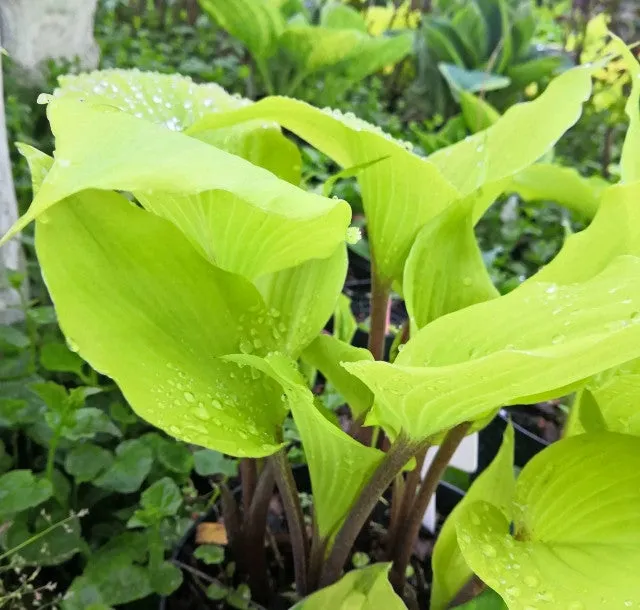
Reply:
x=221, y=274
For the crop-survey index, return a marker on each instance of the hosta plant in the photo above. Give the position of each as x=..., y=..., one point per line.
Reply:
x=290, y=44
x=186, y=264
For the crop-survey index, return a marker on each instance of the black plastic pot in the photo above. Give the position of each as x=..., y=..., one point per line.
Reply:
x=447, y=497
x=527, y=444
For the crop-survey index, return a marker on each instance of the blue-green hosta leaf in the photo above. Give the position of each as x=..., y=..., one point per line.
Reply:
x=630, y=160
x=176, y=102
x=496, y=485
x=364, y=589
x=401, y=192
x=258, y=24
x=534, y=343
x=326, y=353
x=169, y=315
x=526, y=130
x=445, y=270
x=472, y=81
x=304, y=298
x=576, y=538
x=217, y=199
x=339, y=465
x=563, y=185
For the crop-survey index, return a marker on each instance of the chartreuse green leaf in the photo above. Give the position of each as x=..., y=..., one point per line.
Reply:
x=609, y=402
x=303, y=298
x=258, y=24
x=526, y=130
x=630, y=159
x=39, y=164
x=171, y=174
x=615, y=231
x=478, y=113
x=345, y=324
x=487, y=600
x=315, y=48
x=358, y=590
x=373, y=54
x=176, y=102
x=326, y=353
x=563, y=185
x=575, y=538
x=445, y=270
x=342, y=17
x=155, y=335
x=536, y=342
x=496, y=485
x=400, y=192
x=339, y=465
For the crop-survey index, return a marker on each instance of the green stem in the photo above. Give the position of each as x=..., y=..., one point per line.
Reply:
x=295, y=518
x=398, y=455
x=295, y=82
x=51, y=453
x=263, y=70
x=36, y=537
x=410, y=528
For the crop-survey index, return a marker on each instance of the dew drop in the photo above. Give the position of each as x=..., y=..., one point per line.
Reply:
x=488, y=550
x=513, y=591
x=531, y=581
x=557, y=339
x=467, y=281
x=189, y=397
x=202, y=413
x=635, y=317
x=475, y=519
x=216, y=404
x=174, y=429
x=575, y=606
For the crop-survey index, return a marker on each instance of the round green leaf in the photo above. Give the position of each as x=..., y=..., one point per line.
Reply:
x=576, y=533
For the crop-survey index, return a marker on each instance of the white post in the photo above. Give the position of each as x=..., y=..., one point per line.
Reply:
x=34, y=31
x=11, y=256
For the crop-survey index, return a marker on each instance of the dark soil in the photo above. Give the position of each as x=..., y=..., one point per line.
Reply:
x=198, y=576
x=546, y=420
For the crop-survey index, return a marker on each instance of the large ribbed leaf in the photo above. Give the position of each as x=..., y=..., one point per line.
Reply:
x=304, y=297
x=575, y=538
x=326, y=353
x=562, y=185
x=256, y=23
x=177, y=102
x=522, y=135
x=536, y=342
x=216, y=199
x=496, y=486
x=630, y=160
x=141, y=306
x=445, y=270
x=400, y=192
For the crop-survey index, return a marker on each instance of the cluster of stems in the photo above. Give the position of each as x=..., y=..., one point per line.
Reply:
x=316, y=563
